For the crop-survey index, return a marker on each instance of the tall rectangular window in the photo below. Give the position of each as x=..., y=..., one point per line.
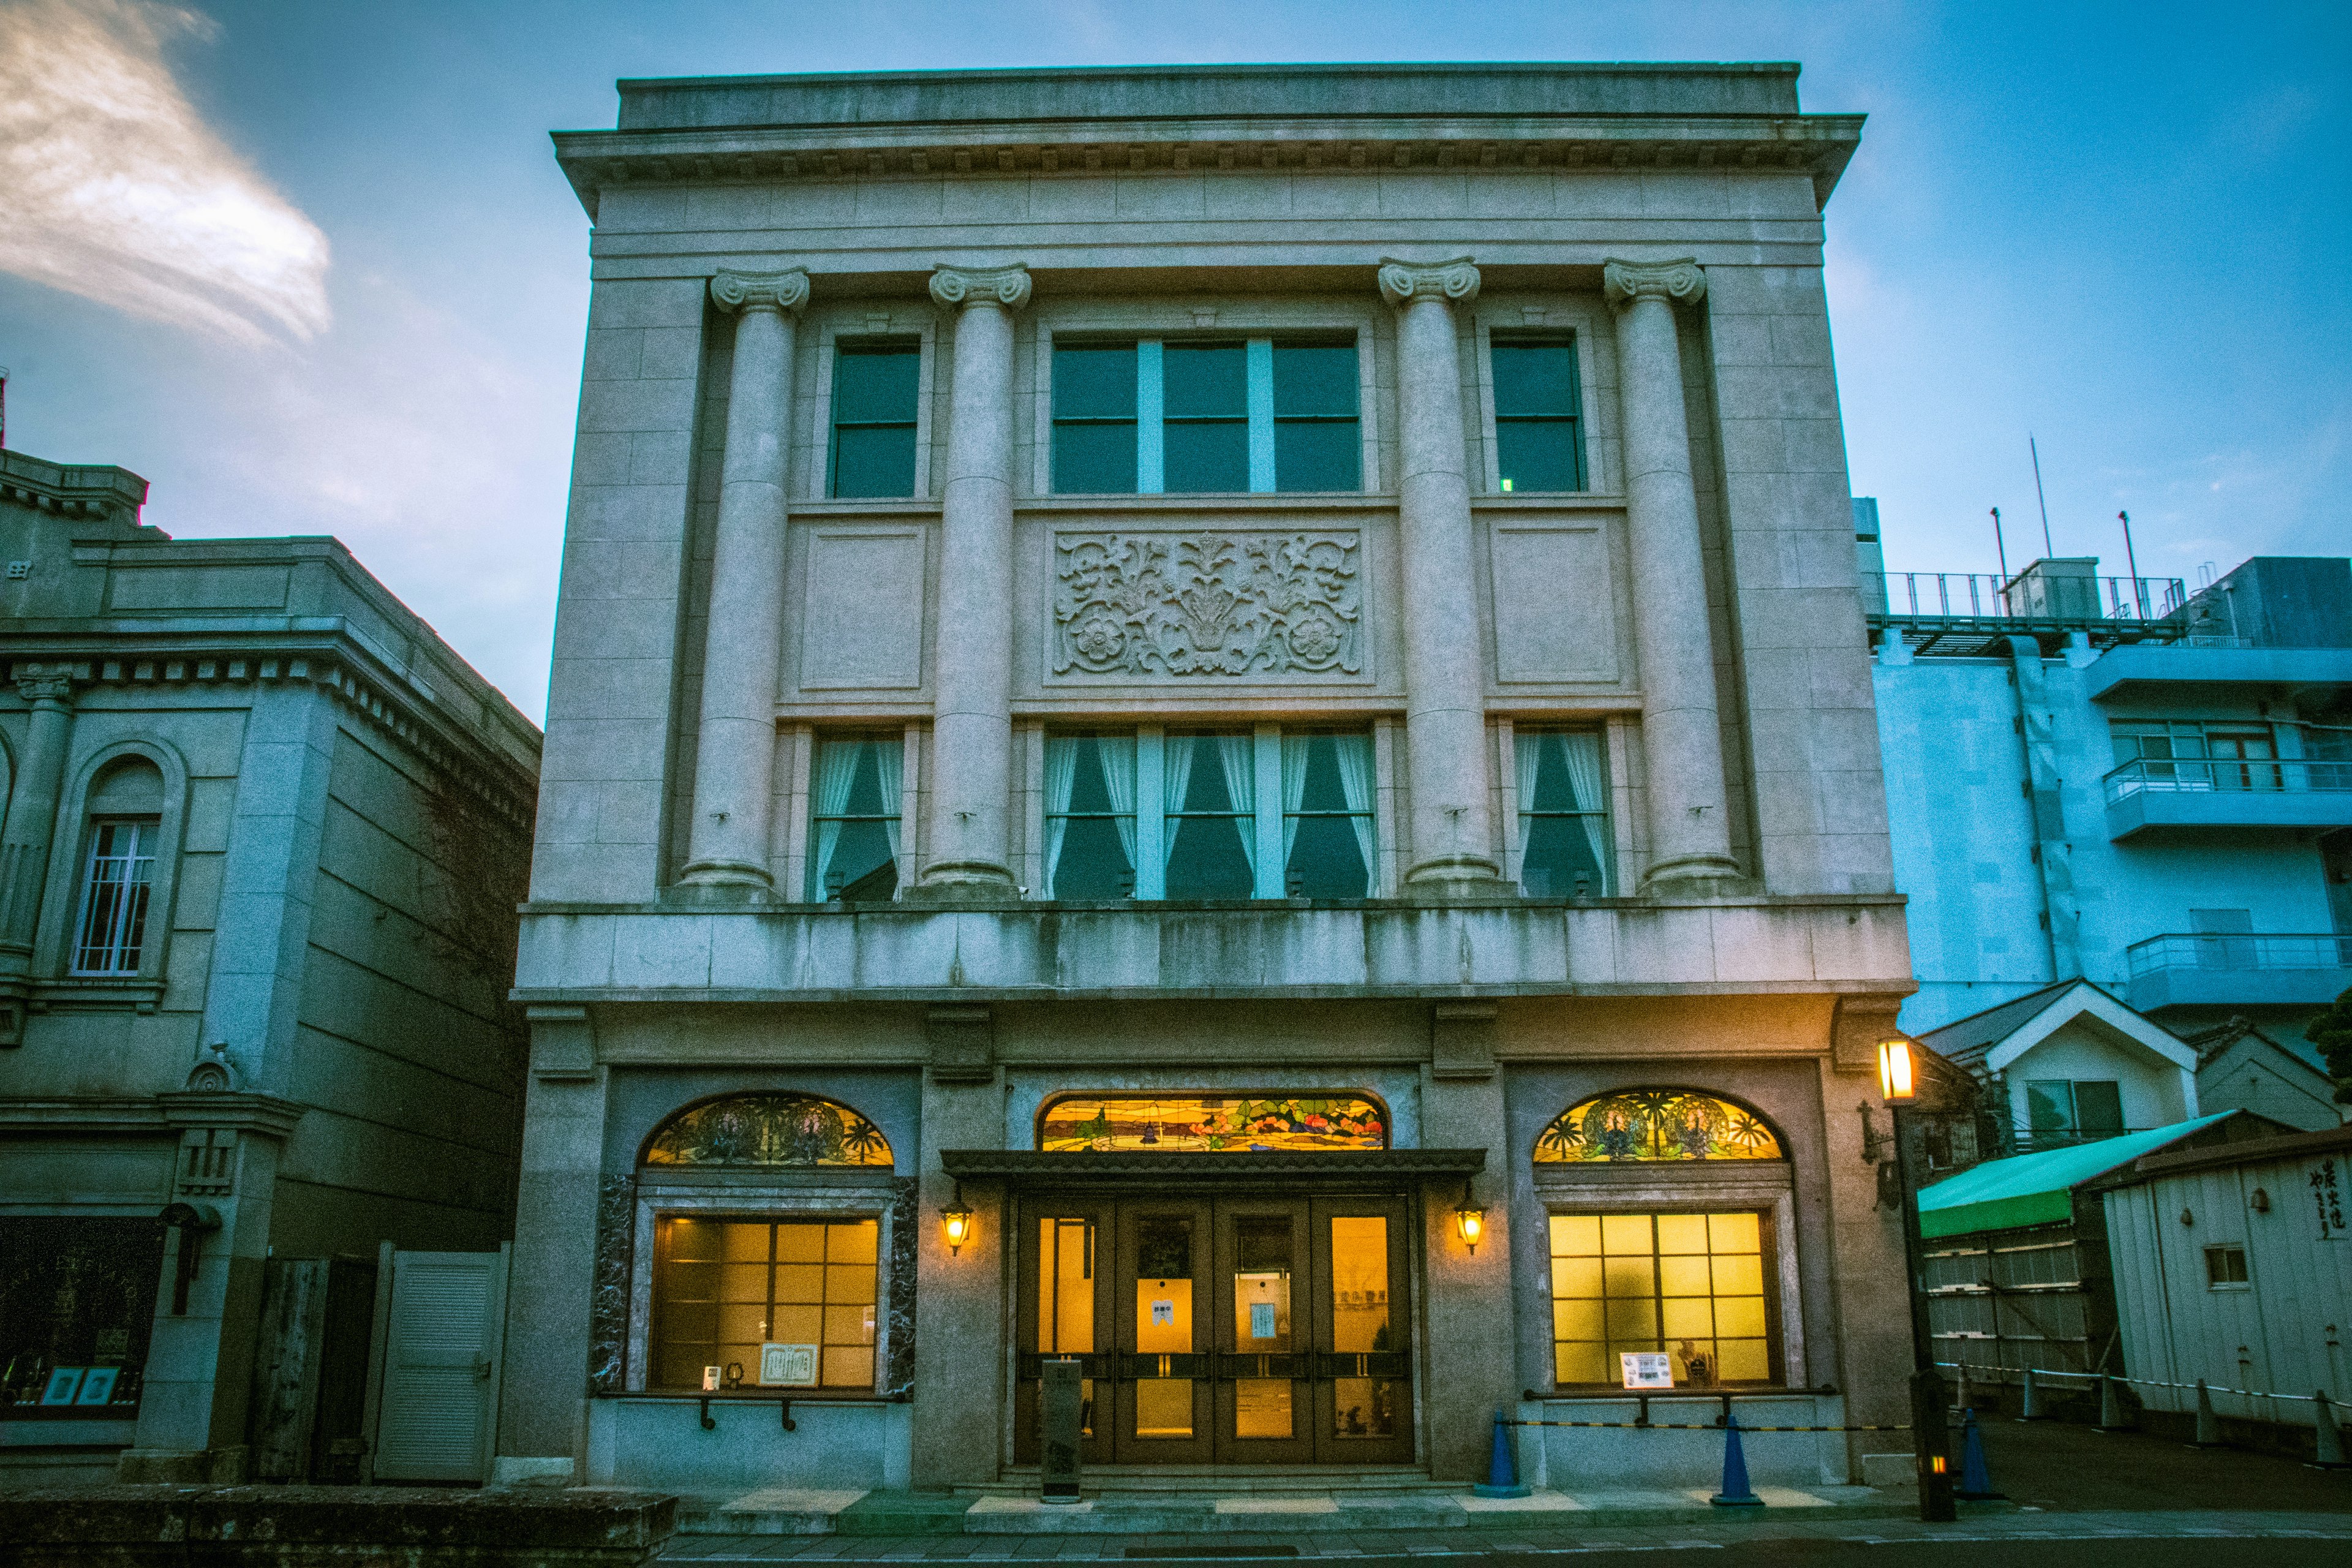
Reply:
x=1539, y=407
x=1210, y=795
x=1090, y=816
x=854, y=818
x=1691, y=1285
x=875, y=391
x=1182, y=417
x=1316, y=442
x=1326, y=816
x=113, y=929
x=1093, y=418
x=1563, y=786
x=723, y=1288
x=1260, y=813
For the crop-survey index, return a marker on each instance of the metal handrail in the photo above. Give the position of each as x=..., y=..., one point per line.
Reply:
x=1985, y=594
x=2213, y=775
x=2239, y=949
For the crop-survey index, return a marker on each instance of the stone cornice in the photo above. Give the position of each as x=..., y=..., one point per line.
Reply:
x=95, y=656
x=1447, y=283
x=738, y=292
x=169, y=1112
x=1683, y=282
x=1005, y=286
x=71, y=489
x=1817, y=145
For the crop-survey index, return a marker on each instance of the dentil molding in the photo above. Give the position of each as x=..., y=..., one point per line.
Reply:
x=1623, y=282
x=785, y=290
x=1205, y=605
x=1455, y=281
x=1005, y=286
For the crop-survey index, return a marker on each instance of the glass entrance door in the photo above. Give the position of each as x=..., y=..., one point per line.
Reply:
x=1244, y=1330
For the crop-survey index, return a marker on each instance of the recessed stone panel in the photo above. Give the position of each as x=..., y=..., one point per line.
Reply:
x=862, y=622
x=1555, y=616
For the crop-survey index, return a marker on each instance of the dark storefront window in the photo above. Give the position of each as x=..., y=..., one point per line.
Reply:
x=76, y=1301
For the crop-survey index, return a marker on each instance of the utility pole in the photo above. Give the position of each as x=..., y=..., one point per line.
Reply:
x=2139, y=594
x=2048, y=550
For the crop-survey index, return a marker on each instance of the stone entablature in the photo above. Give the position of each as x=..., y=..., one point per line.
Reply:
x=978, y=954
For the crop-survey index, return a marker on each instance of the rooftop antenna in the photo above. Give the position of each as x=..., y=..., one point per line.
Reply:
x=3, y=407
x=2140, y=590
x=2047, y=550
x=2001, y=545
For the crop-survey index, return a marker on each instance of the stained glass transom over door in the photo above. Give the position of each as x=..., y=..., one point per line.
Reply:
x=1239, y=1125
x=779, y=1129
x=1656, y=1124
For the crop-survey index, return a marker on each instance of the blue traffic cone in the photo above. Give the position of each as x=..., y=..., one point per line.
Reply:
x=1736, y=1492
x=1503, y=1468
x=1976, y=1480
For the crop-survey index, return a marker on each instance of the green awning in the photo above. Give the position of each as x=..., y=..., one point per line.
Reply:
x=2036, y=1189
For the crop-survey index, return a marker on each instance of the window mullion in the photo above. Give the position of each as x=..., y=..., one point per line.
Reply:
x=1272, y=875
x=1260, y=361
x=1150, y=437
x=1150, y=823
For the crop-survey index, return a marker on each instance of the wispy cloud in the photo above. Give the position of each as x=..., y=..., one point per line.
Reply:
x=113, y=187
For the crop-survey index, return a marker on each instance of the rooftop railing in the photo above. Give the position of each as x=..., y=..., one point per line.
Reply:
x=2210, y=775
x=1984, y=595
x=2239, y=951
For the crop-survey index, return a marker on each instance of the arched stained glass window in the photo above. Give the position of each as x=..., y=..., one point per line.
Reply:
x=1656, y=1124
x=1222, y=1125
x=768, y=1130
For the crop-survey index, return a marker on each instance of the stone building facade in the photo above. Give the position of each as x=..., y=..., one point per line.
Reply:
x=1214, y=719
x=264, y=835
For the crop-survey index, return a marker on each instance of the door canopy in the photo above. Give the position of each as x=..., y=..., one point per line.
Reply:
x=1656, y=1124
x=768, y=1130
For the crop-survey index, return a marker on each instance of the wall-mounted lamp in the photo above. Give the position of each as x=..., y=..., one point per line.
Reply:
x=955, y=1223
x=1470, y=1220
x=1895, y=1077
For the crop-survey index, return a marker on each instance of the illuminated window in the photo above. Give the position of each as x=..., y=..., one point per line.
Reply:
x=768, y=1130
x=1690, y=1285
x=1239, y=1125
x=1649, y=1124
x=725, y=1288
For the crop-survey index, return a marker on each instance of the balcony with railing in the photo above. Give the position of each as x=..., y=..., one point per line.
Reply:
x=2170, y=797
x=1970, y=612
x=2238, y=969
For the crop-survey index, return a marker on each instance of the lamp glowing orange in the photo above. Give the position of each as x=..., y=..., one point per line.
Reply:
x=1895, y=1079
x=956, y=1224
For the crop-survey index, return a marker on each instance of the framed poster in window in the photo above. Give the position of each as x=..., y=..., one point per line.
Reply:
x=788, y=1366
x=65, y=1382
x=98, y=1386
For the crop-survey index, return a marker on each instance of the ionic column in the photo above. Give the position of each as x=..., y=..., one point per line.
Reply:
x=971, y=722
x=32, y=810
x=1682, y=742
x=735, y=750
x=1445, y=710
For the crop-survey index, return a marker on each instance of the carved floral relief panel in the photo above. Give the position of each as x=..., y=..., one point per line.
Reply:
x=1211, y=606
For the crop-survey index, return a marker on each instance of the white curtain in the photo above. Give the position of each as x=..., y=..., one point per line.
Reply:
x=836, y=771
x=1294, y=789
x=890, y=767
x=1061, y=773
x=1176, y=774
x=1589, y=778
x=1118, y=755
x=1237, y=755
x=1355, y=754
x=1526, y=759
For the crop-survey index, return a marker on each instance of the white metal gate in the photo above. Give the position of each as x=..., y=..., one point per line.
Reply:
x=443, y=1321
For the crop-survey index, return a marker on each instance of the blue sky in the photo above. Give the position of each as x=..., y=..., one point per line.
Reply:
x=345, y=293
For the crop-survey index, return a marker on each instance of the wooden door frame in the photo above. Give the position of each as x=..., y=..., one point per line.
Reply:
x=1101, y=1210
x=1298, y=1448
x=1397, y=1448
x=1198, y=1449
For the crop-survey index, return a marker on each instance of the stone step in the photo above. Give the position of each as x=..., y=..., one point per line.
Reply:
x=1222, y=1480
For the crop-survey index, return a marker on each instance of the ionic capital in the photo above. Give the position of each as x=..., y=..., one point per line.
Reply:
x=36, y=683
x=1623, y=282
x=736, y=291
x=1005, y=286
x=1447, y=283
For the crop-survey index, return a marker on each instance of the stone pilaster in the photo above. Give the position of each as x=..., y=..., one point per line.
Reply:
x=735, y=748
x=33, y=811
x=1682, y=740
x=971, y=724
x=1446, y=714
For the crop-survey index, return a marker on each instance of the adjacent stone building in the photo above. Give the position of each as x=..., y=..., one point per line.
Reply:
x=1214, y=719
x=264, y=835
